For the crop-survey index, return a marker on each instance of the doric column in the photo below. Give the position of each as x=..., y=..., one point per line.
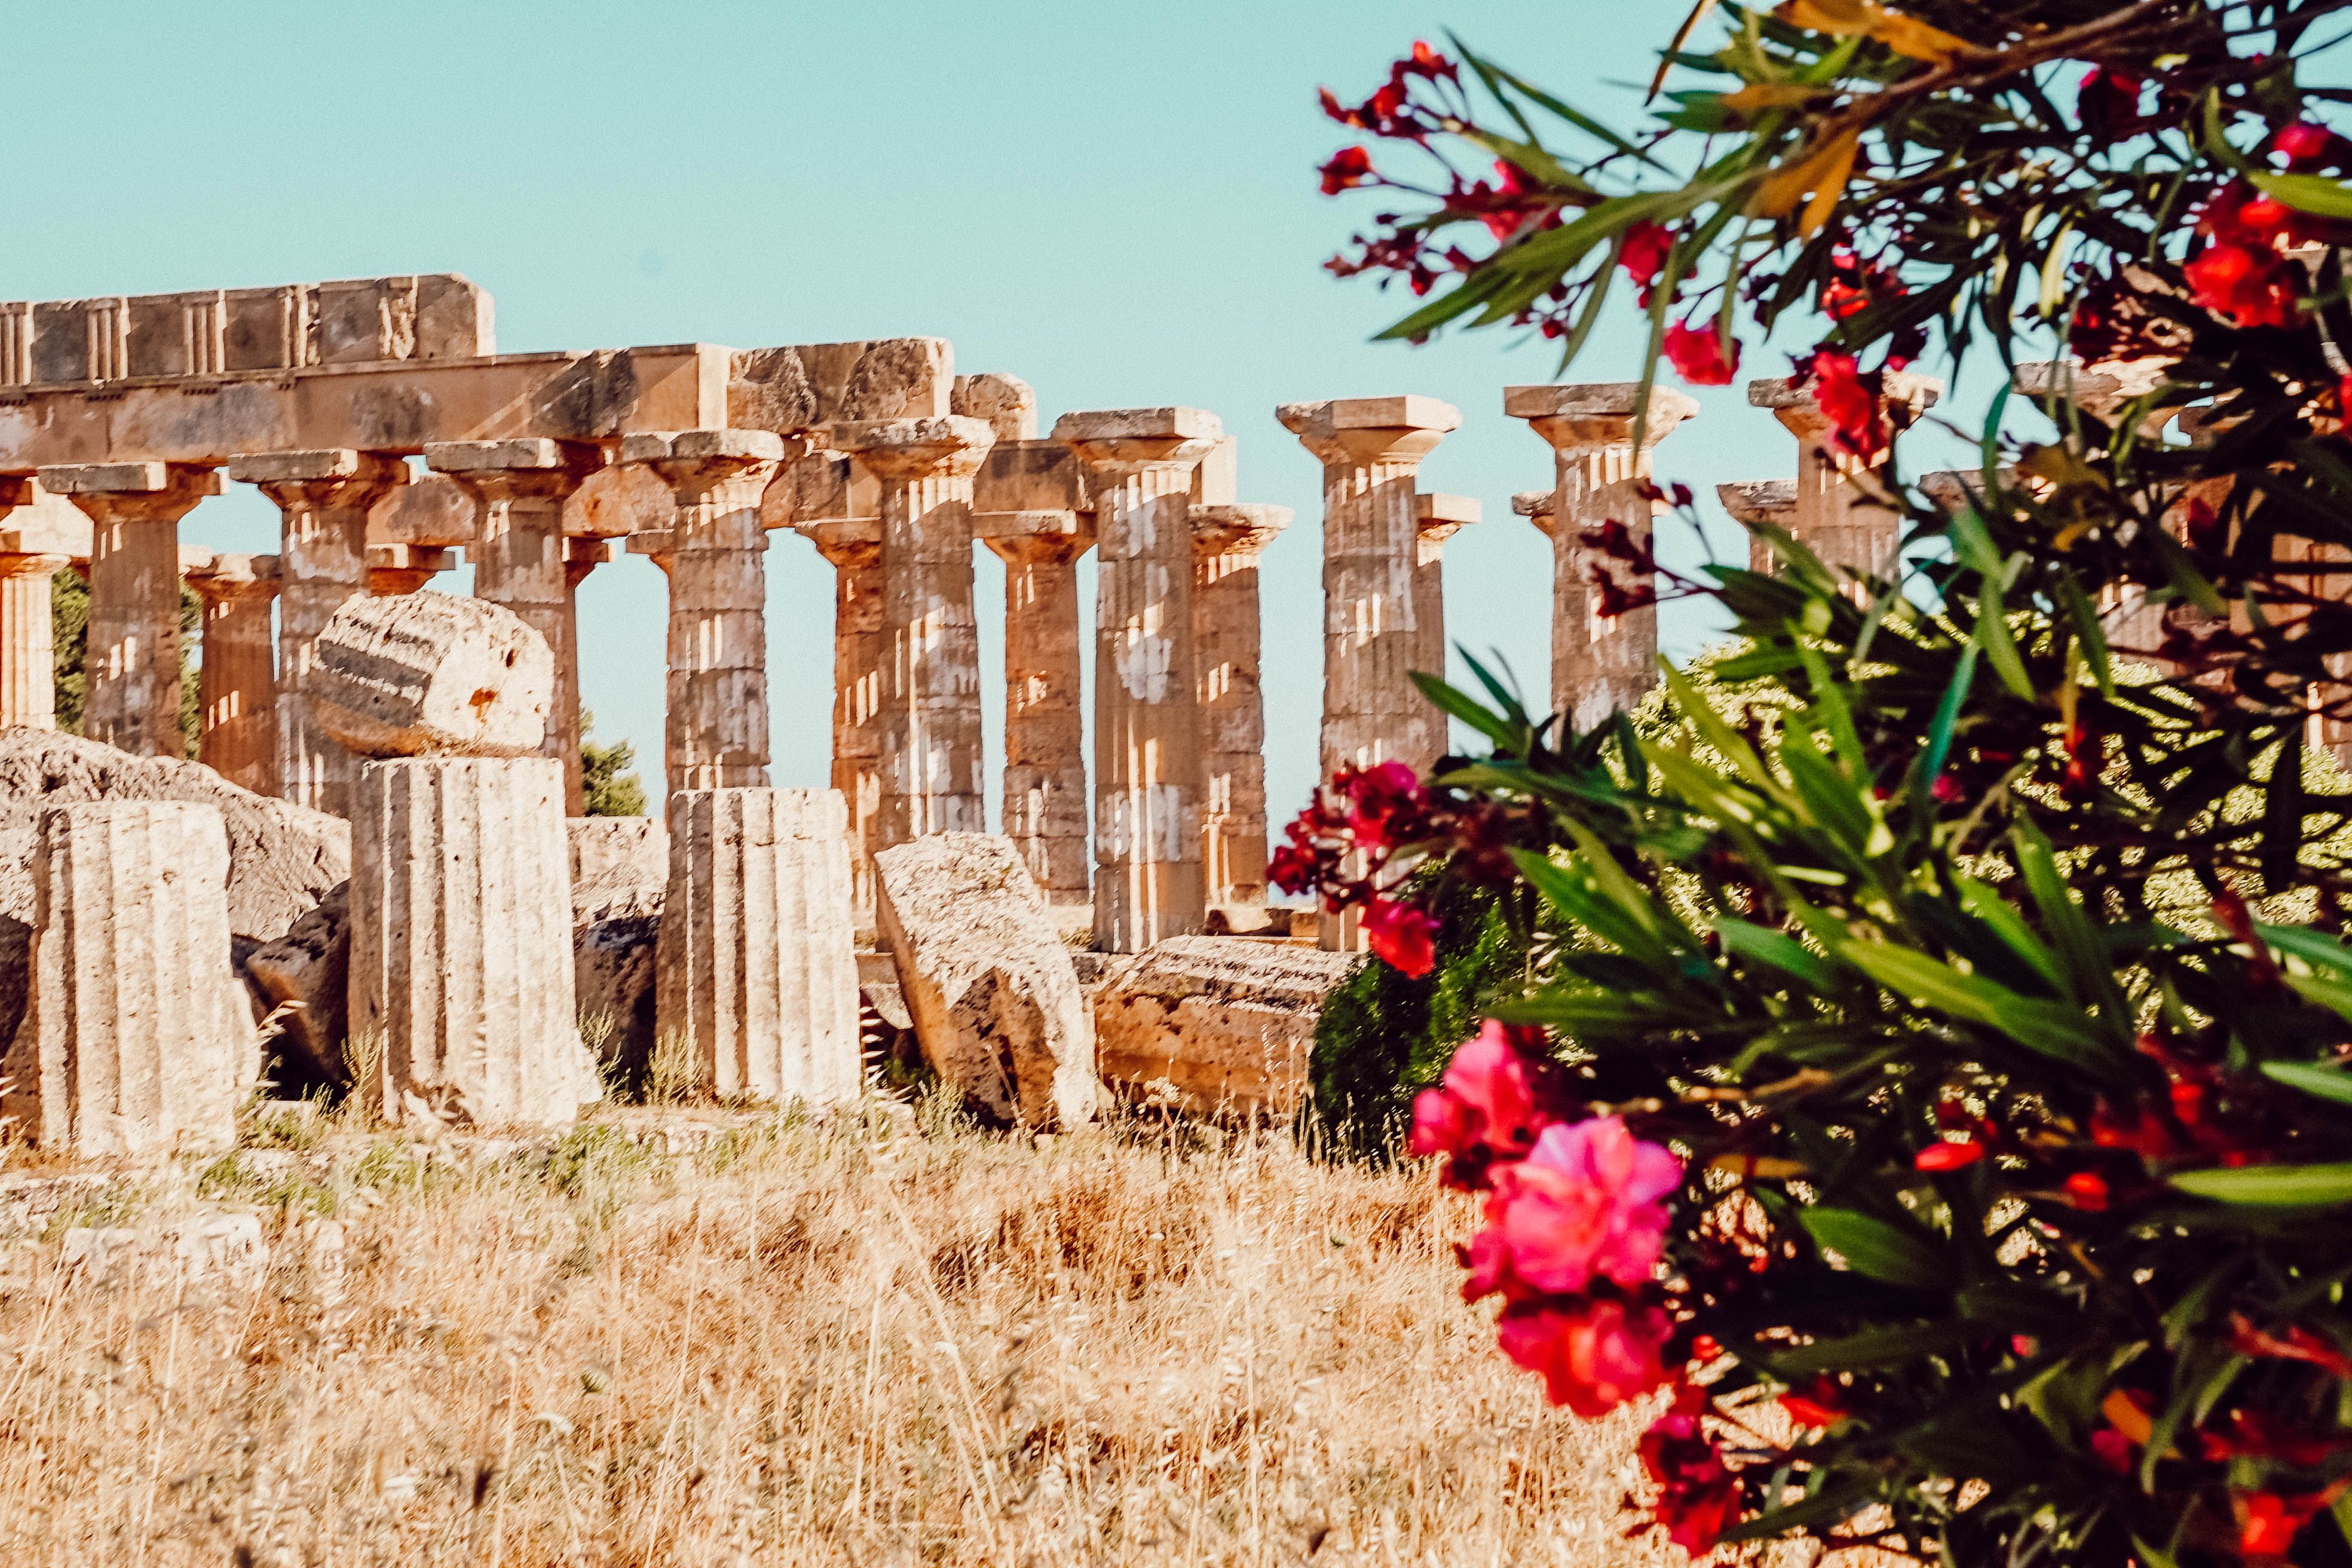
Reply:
x=1227, y=541
x=1600, y=663
x=1045, y=750
x=461, y=940
x=132, y=700
x=238, y=695
x=933, y=749
x=581, y=556
x=136, y=1039
x=1371, y=449
x=715, y=728
x=322, y=498
x=861, y=657
x=518, y=488
x=1831, y=518
x=27, y=648
x=754, y=972
x=1148, y=740
x=1771, y=503
x=397, y=570
x=1441, y=517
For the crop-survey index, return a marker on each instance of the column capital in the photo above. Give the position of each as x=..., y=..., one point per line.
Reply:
x=1442, y=516
x=848, y=543
x=527, y=468
x=1405, y=428
x=1772, y=501
x=162, y=493
x=36, y=564
x=1239, y=529
x=691, y=461
x=1790, y=399
x=326, y=475
x=950, y=446
x=1577, y=416
x=1034, y=538
x=394, y=570
x=582, y=556
x=225, y=577
x=1130, y=440
x=1538, y=507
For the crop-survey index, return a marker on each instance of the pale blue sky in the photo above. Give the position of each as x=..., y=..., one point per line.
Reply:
x=1117, y=203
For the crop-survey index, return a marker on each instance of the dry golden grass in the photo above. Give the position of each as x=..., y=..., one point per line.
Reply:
x=855, y=1343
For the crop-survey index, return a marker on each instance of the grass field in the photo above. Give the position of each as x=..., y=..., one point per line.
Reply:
x=884, y=1340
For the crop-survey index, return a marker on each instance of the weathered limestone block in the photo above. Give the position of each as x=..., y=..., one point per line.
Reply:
x=620, y=865
x=993, y=992
x=431, y=673
x=1227, y=1022
x=1008, y=402
x=756, y=973
x=135, y=1032
x=306, y=972
x=461, y=940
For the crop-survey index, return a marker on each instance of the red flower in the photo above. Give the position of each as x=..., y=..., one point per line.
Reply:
x=2305, y=145
x=1401, y=936
x=2250, y=287
x=1819, y=1408
x=2111, y=1449
x=2087, y=1191
x=1585, y=1203
x=1948, y=1155
x=1647, y=246
x=1698, y=1494
x=1347, y=167
x=2299, y=1344
x=1387, y=803
x=2108, y=101
x=1857, y=423
x=2267, y=1524
x=1491, y=1104
x=1593, y=1358
x=1698, y=355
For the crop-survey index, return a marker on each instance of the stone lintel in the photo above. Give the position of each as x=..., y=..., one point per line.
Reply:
x=988, y=525
x=1780, y=392
x=527, y=452
x=1237, y=529
x=1437, y=509
x=741, y=448
x=135, y=479
x=656, y=543
x=1758, y=501
x=581, y=551
x=1175, y=425
x=1408, y=412
x=2114, y=380
x=1033, y=476
x=411, y=558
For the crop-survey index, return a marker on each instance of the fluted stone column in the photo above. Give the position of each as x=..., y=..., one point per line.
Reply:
x=1599, y=664
x=933, y=753
x=394, y=571
x=861, y=658
x=238, y=682
x=518, y=490
x=1832, y=519
x=581, y=556
x=132, y=700
x=461, y=940
x=1148, y=739
x=1441, y=517
x=755, y=969
x=1371, y=449
x=135, y=1031
x=1044, y=747
x=715, y=732
x=28, y=641
x=1227, y=542
x=323, y=497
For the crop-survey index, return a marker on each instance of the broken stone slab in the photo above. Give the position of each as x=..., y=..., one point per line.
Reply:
x=226, y=1250
x=136, y=1038
x=431, y=675
x=304, y=977
x=987, y=980
x=620, y=865
x=1227, y=1023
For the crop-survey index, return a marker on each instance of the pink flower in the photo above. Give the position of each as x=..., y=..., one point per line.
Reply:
x=1401, y=937
x=1388, y=804
x=1698, y=355
x=1490, y=1105
x=1858, y=425
x=1591, y=1360
x=2250, y=287
x=1647, y=246
x=1698, y=1494
x=1585, y=1202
